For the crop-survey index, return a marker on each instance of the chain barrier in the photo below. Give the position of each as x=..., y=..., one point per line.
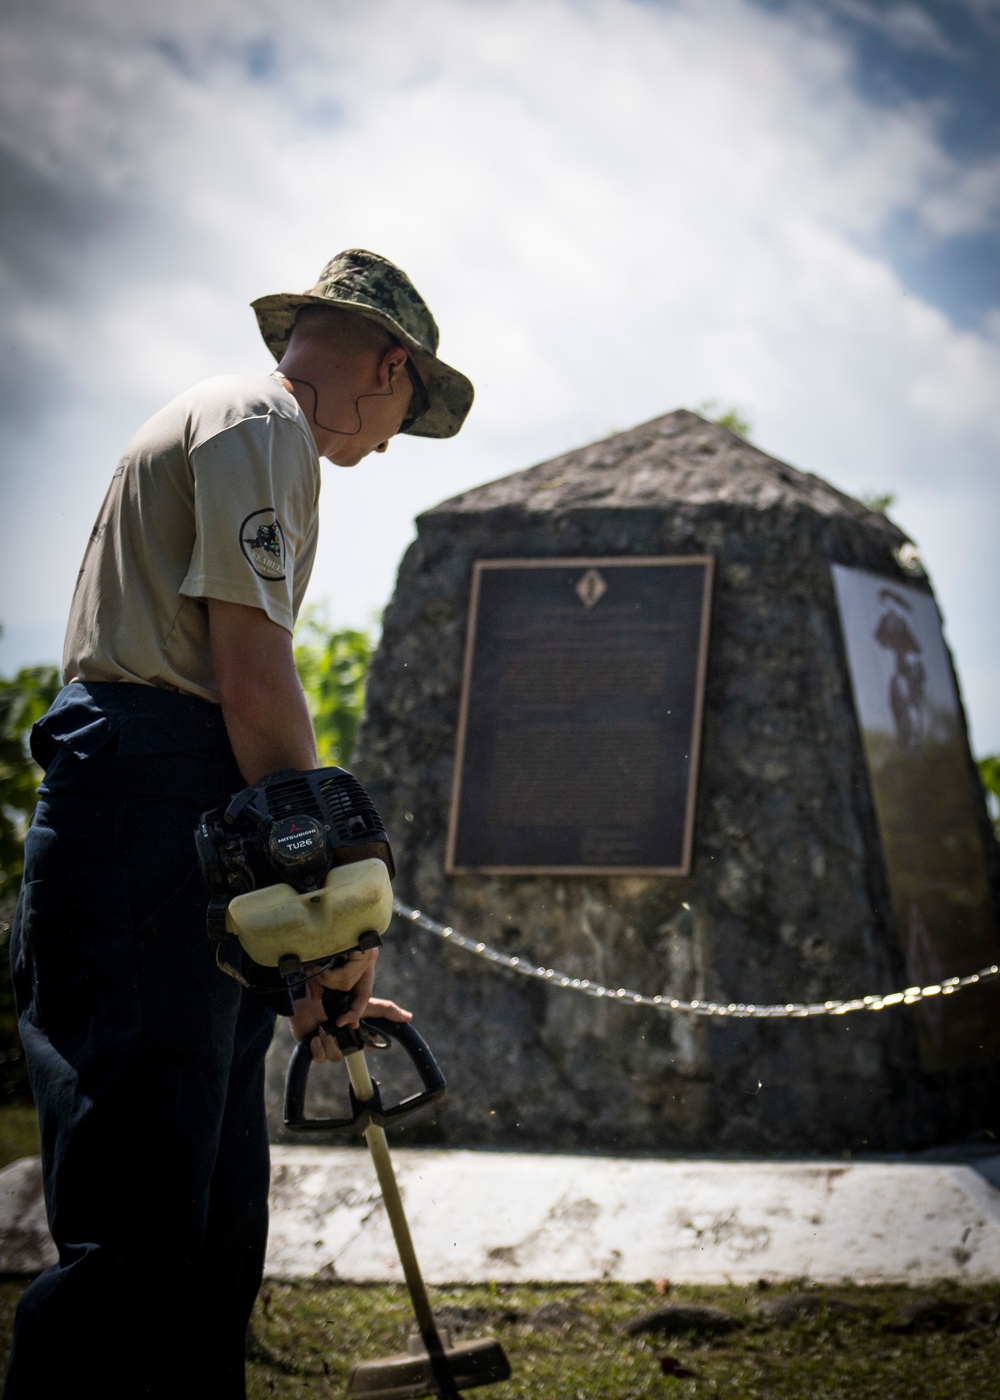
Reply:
x=733, y=1011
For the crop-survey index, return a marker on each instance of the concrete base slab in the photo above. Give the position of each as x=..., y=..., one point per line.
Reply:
x=515, y=1217
x=25, y=1243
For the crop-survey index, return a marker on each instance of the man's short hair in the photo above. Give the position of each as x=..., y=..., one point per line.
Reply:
x=346, y=329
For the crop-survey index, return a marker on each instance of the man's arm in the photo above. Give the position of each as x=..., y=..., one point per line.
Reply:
x=270, y=728
x=265, y=711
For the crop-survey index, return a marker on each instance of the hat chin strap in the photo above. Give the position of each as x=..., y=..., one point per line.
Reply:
x=341, y=432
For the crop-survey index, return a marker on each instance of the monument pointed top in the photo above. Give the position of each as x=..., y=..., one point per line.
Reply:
x=679, y=458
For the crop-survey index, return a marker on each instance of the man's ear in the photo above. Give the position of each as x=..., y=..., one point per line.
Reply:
x=391, y=365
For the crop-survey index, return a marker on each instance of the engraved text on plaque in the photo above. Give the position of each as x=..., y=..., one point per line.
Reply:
x=580, y=718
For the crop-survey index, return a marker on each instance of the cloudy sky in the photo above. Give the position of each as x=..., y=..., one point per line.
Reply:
x=614, y=208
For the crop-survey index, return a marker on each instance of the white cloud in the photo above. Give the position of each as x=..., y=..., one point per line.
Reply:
x=906, y=26
x=613, y=209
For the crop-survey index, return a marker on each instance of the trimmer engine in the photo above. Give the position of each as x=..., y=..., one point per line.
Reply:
x=298, y=867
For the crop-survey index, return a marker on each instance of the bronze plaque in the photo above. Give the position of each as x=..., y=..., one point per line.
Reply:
x=581, y=716
x=922, y=785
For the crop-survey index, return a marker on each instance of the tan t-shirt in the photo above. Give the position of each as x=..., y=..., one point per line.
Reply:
x=216, y=496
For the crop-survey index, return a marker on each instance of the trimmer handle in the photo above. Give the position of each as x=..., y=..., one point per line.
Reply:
x=351, y=1042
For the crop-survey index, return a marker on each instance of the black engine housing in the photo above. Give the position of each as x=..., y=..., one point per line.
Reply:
x=292, y=827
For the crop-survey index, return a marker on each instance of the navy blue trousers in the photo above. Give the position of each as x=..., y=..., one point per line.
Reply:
x=146, y=1061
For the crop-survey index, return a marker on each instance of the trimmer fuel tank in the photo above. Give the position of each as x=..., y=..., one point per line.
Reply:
x=276, y=921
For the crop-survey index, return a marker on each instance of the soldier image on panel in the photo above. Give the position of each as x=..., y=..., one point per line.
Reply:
x=908, y=686
x=146, y=1061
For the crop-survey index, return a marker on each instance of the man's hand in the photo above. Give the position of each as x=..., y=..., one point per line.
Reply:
x=324, y=1048
x=357, y=976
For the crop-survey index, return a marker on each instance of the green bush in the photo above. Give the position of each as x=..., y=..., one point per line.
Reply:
x=989, y=773
x=332, y=666
x=22, y=700
x=730, y=417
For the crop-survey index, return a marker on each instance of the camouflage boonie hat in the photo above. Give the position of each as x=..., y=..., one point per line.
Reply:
x=374, y=287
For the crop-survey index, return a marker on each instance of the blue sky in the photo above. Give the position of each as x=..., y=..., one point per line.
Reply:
x=614, y=207
x=944, y=55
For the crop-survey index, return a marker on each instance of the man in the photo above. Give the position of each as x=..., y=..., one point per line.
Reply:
x=146, y=1060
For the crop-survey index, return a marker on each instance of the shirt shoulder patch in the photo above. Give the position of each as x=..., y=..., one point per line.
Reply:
x=262, y=541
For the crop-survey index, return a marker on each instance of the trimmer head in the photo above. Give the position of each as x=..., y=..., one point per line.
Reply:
x=478, y=1362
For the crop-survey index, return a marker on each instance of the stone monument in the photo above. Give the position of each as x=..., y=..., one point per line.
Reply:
x=784, y=894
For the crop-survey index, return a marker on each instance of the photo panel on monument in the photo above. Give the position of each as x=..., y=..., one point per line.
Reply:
x=924, y=792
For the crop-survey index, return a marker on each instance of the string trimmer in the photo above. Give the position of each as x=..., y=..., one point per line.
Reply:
x=299, y=869
x=436, y=1368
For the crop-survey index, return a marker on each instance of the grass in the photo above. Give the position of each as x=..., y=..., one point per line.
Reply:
x=568, y=1343
x=305, y=1338
x=18, y=1132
